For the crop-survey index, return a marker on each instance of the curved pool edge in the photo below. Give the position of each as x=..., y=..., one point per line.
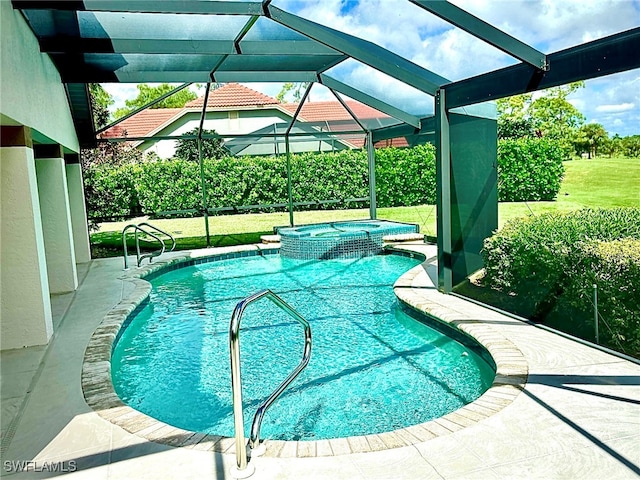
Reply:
x=99, y=393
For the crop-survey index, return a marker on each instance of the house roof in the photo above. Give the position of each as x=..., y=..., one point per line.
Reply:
x=143, y=123
x=333, y=110
x=233, y=95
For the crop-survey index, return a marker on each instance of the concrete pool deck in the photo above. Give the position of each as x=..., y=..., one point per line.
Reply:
x=577, y=415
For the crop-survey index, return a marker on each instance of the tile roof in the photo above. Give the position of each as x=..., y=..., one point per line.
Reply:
x=236, y=95
x=333, y=110
x=143, y=123
x=233, y=95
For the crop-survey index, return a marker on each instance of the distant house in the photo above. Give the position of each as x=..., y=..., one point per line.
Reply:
x=235, y=109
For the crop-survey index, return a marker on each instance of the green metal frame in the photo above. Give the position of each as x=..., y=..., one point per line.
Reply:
x=305, y=51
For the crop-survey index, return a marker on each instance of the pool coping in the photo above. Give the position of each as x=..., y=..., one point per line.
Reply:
x=411, y=289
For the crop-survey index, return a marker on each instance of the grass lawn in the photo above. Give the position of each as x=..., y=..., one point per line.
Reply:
x=601, y=182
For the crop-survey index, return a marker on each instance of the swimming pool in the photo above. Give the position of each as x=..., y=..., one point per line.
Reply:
x=373, y=368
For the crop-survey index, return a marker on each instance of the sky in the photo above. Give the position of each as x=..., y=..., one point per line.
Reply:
x=405, y=29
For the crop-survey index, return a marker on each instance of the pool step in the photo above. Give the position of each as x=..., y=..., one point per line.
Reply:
x=403, y=237
x=270, y=238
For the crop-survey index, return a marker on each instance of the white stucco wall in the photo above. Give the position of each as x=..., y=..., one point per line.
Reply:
x=31, y=93
x=221, y=123
x=25, y=309
x=78, y=210
x=56, y=225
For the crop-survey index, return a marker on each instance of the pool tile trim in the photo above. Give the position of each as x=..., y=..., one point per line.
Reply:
x=411, y=290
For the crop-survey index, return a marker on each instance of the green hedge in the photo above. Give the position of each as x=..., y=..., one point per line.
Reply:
x=529, y=169
x=110, y=191
x=404, y=176
x=614, y=267
x=551, y=262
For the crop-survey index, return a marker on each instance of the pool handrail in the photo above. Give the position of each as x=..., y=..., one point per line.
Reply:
x=153, y=227
x=236, y=381
x=138, y=228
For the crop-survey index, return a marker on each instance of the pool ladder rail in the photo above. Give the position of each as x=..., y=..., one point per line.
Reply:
x=245, y=469
x=138, y=228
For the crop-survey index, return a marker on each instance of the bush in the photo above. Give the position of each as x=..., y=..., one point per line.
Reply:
x=404, y=177
x=545, y=261
x=529, y=169
x=110, y=191
x=168, y=185
x=187, y=148
x=614, y=267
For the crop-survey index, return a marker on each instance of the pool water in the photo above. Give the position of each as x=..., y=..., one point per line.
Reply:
x=373, y=368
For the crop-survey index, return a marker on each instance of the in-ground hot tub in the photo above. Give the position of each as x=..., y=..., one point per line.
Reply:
x=339, y=239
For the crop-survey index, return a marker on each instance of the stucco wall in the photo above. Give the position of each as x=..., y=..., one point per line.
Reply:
x=31, y=93
x=25, y=306
x=246, y=122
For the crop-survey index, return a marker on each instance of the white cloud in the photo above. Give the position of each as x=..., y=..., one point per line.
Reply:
x=622, y=107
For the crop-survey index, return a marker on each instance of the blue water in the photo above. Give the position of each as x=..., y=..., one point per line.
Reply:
x=373, y=368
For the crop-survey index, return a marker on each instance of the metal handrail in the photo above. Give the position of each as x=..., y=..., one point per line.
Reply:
x=236, y=382
x=156, y=253
x=173, y=240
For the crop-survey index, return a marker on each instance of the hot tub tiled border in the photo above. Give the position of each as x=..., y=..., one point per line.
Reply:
x=511, y=371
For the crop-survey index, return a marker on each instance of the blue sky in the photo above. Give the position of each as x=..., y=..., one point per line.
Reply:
x=403, y=28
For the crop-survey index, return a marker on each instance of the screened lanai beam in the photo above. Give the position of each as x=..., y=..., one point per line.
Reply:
x=250, y=76
x=612, y=54
x=203, y=183
x=484, y=31
x=70, y=45
x=316, y=135
x=288, y=152
x=427, y=125
x=373, y=102
x=364, y=51
x=307, y=90
x=144, y=107
x=73, y=44
x=349, y=111
x=211, y=7
x=245, y=29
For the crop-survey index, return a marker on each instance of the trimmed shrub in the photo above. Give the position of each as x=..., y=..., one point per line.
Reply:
x=168, y=185
x=545, y=260
x=614, y=267
x=110, y=191
x=529, y=169
x=406, y=176
x=326, y=176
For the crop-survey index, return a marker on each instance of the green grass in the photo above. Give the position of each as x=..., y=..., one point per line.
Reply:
x=600, y=182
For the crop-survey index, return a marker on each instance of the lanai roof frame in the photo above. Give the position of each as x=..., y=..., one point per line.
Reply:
x=109, y=40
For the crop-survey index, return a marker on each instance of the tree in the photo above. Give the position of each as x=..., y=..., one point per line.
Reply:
x=522, y=128
x=93, y=160
x=296, y=89
x=101, y=100
x=514, y=108
x=631, y=146
x=147, y=93
x=187, y=148
x=590, y=138
x=549, y=115
x=554, y=116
